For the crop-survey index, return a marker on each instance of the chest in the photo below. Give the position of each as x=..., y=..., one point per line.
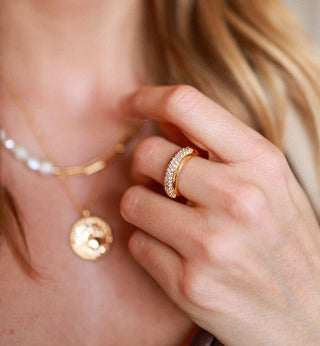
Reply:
x=112, y=301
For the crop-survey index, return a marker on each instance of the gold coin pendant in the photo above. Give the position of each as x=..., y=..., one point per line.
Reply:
x=91, y=238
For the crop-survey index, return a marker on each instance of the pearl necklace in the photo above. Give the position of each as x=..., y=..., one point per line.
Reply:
x=22, y=154
x=90, y=237
x=47, y=167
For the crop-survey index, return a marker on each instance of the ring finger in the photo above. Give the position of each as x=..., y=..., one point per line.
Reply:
x=151, y=160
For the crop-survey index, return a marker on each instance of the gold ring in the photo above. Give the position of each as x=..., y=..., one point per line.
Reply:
x=174, y=168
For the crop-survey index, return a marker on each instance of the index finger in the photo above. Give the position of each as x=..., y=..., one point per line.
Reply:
x=203, y=121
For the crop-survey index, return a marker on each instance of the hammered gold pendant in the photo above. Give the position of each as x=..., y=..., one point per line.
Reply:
x=91, y=238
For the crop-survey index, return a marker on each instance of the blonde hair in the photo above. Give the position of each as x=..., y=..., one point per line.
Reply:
x=256, y=61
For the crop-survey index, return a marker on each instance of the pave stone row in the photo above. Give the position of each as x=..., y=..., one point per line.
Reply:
x=172, y=167
x=21, y=153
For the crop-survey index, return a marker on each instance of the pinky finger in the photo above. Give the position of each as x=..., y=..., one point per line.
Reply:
x=161, y=261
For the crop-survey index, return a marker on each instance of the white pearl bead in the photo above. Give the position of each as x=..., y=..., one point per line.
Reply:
x=33, y=163
x=46, y=167
x=20, y=153
x=3, y=135
x=9, y=143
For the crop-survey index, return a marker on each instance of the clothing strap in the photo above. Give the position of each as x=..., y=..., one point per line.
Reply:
x=203, y=338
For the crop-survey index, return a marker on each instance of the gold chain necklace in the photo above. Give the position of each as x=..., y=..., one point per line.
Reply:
x=90, y=237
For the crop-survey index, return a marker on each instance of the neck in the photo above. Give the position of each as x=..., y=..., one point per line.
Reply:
x=69, y=47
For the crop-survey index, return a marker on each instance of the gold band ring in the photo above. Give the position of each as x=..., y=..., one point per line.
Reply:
x=174, y=168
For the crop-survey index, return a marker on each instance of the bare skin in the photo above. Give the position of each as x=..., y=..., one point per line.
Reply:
x=73, y=62
x=245, y=252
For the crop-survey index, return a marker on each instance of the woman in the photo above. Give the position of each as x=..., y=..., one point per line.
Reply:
x=240, y=256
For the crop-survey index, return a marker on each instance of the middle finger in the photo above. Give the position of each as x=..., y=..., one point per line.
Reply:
x=174, y=224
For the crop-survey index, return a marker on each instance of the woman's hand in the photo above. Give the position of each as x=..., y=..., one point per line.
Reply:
x=243, y=261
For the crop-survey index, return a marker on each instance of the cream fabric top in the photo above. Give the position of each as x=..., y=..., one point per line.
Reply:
x=308, y=12
x=299, y=152
x=298, y=146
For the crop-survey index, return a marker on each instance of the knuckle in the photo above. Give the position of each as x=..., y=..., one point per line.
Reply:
x=180, y=98
x=130, y=202
x=280, y=164
x=247, y=203
x=145, y=151
x=274, y=161
x=196, y=283
x=191, y=286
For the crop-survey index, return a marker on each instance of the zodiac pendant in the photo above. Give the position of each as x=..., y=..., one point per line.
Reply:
x=91, y=238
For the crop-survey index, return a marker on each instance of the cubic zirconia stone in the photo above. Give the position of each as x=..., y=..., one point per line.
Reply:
x=172, y=168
